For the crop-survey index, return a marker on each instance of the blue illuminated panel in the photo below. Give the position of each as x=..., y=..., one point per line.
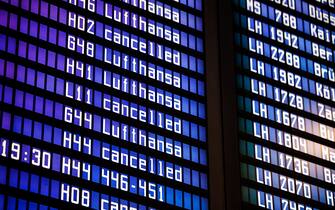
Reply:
x=286, y=97
x=102, y=105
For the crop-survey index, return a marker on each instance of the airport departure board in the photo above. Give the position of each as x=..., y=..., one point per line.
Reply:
x=285, y=60
x=102, y=105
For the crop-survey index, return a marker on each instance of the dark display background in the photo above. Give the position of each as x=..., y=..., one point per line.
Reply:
x=285, y=79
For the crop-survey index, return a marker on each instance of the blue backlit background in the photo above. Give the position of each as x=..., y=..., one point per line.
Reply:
x=102, y=104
